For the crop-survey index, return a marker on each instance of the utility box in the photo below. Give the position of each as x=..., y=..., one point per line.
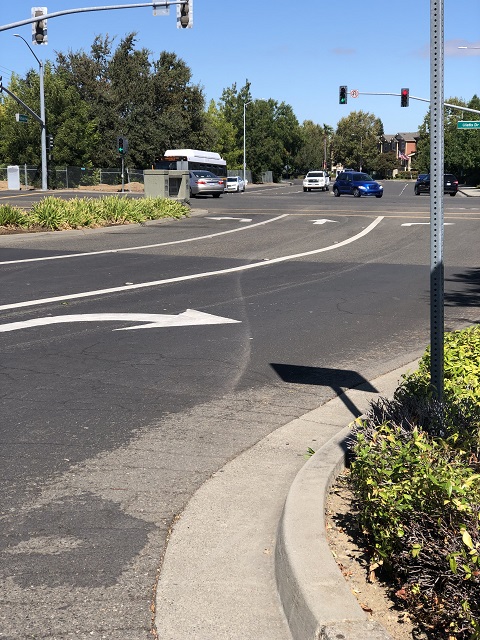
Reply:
x=161, y=183
x=13, y=177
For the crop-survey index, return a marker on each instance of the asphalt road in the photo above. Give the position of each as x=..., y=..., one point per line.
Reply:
x=108, y=430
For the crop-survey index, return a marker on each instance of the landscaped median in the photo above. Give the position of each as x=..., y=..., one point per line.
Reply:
x=55, y=214
x=415, y=475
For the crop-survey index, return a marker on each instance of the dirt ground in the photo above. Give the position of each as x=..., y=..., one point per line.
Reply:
x=345, y=540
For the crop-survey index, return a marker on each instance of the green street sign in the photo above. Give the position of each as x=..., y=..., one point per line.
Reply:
x=468, y=124
x=21, y=117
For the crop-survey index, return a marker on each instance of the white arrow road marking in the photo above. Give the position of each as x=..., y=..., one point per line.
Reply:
x=195, y=276
x=228, y=218
x=152, y=320
x=411, y=224
x=323, y=221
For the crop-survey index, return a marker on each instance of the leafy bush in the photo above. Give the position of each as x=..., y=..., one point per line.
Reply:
x=12, y=216
x=49, y=213
x=54, y=213
x=416, y=478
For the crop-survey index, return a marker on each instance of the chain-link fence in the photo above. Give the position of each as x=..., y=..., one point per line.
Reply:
x=75, y=177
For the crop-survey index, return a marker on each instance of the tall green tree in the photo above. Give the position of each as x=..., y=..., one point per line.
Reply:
x=315, y=146
x=461, y=147
x=355, y=143
x=69, y=119
x=224, y=137
x=154, y=104
x=272, y=137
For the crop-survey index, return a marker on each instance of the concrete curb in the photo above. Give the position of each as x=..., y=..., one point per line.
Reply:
x=316, y=599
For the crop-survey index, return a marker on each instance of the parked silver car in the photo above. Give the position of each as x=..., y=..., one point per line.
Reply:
x=206, y=183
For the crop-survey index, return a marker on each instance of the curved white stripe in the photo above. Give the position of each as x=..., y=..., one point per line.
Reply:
x=145, y=246
x=194, y=276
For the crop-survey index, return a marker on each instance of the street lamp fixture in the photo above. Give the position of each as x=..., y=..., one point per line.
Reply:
x=468, y=47
x=244, y=141
x=42, y=114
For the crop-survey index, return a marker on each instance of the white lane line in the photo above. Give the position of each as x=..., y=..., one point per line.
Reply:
x=413, y=224
x=193, y=276
x=145, y=246
x=229, y=218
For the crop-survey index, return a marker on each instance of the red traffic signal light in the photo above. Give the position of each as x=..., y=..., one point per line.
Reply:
x=404, y=97
x=342, y=96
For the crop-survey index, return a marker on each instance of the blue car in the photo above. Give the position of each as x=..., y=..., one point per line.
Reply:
x=356, y=184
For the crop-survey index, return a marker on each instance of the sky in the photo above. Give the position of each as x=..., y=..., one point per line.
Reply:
x=293, y=51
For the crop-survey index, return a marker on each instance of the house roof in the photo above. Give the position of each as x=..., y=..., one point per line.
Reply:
x=408, y=137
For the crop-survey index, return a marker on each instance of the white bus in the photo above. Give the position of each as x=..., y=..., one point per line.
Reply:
x=190, y=159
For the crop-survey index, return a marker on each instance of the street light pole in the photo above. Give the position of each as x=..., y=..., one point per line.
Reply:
x=244, y=141
x=42, y=115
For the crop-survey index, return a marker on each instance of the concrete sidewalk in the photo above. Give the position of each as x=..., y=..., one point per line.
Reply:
x=470, y=191
x=248, y=557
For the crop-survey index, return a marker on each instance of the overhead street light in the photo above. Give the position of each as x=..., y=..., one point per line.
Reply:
x=468, y=47
x=42, y=115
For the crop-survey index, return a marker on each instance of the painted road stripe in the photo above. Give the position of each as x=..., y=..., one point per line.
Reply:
x=193, y=276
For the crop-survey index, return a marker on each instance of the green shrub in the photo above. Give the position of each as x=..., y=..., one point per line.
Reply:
x=12, y=216
x=82, y=213
x=54, y=213
x=113, y=209
x=50, y=213
x=416, y=478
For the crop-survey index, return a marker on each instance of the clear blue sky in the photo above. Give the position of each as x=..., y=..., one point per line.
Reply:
x=296, y=51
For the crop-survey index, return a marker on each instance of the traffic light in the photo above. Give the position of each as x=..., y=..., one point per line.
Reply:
x=122, y=145
x=342, y=96
x=39, y=28
x=404, y=97
x=49, y=142
x=185, y=15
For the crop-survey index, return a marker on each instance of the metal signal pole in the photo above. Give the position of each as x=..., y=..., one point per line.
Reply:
x=436, y=196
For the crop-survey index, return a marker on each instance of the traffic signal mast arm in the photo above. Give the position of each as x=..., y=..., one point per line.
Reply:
x=12, y=95
x=445, y=104
x=64, y=12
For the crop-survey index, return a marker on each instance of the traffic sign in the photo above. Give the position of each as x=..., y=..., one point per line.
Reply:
x=354, y=93
x=468, y=124
x=21, y=117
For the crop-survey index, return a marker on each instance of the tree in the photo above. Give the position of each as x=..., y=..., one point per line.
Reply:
x=153, y=104
x=461, y=147
x=69, y=119
x=224, y=137
x=385, y=163
x=355, y=143
x=273, y=137
x=314, y=147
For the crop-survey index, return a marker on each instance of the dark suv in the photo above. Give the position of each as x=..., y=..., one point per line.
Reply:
x=450, y=184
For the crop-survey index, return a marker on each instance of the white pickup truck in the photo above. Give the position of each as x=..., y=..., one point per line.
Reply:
x=316, y=180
